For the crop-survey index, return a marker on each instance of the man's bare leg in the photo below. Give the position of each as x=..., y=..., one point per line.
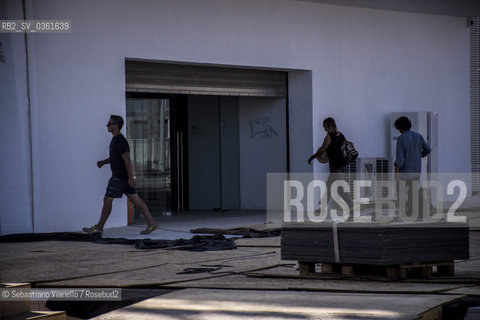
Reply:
x=142, y=206
x=106, y=210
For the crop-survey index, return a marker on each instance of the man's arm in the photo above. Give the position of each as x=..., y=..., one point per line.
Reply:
x=396, y=176
x=128, y=165
x=399, y=158
x=425, y=148
x=101, y=163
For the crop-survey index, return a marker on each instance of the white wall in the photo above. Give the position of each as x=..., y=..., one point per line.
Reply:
x=15, y=195
x=389, y=61
x=365, y=63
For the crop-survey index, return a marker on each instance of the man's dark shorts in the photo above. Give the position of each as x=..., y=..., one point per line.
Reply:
x=117, y=187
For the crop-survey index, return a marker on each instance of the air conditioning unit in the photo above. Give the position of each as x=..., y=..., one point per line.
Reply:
x=350, y=175
x=380, y=172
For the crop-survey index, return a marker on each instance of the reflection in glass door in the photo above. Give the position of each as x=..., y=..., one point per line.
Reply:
x=148, y=133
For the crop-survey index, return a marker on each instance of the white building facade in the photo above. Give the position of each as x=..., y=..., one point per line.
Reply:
x=357, y=65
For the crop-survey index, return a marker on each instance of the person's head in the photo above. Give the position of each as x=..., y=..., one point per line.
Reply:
x=402, y=124
x=329, y=125
x=115, y=121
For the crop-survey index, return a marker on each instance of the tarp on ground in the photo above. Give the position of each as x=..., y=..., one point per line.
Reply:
x=196, y=243
x=242, y=231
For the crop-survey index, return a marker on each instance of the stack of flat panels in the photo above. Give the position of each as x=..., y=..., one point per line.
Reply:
x=375, y=243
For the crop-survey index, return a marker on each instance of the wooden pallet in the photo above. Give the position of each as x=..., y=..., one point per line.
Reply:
x=396, y=271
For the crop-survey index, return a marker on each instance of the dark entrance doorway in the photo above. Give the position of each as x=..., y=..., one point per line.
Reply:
x=185, y=151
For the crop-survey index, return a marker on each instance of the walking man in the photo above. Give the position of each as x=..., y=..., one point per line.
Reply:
x=122, y=180
x=411, y=148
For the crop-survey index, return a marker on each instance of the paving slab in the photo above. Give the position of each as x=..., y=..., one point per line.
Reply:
x=469, y=290
x=171, y=267
x=200, y=304
x=90, y=264
x=358, y=286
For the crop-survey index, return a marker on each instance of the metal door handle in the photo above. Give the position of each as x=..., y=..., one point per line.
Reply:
x=180, y=189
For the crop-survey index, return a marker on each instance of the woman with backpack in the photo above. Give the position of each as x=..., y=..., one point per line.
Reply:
x=332, y=146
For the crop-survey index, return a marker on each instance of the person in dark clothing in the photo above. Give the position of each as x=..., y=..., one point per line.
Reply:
x=332, y=144
x=411, y=148
x=122, y=180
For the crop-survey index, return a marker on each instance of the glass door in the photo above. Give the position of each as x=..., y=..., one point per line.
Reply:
x=148, y=133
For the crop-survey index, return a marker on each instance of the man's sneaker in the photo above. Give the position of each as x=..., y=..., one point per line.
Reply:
x=93, y=230
x=150, y=228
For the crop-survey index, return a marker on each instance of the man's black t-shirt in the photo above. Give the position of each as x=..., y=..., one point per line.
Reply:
x=118, y=146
